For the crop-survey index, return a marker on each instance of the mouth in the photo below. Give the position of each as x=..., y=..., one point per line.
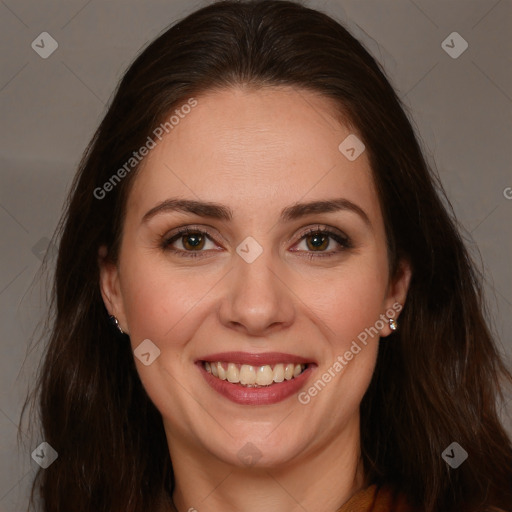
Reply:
x=255, y=379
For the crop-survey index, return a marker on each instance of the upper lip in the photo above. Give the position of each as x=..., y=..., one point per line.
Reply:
x=255, y=359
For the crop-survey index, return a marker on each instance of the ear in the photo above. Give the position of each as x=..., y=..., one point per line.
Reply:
x=110, y=288
x=397, y=294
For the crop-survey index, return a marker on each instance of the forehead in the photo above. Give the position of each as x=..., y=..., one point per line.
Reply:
x=255, y=148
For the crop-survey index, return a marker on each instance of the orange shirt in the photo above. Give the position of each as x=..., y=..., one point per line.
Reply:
x=376, y=499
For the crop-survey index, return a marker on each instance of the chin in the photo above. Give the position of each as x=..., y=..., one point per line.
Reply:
x=258, y=451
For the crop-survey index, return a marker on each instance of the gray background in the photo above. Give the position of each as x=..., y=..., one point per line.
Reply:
x=50, y=108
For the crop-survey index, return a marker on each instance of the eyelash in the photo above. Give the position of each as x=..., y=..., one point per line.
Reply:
x=343, y=241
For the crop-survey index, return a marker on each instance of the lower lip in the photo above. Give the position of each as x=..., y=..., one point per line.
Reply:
x=256, y=396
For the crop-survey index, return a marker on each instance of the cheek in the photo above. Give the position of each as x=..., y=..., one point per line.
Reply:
x=159, y=303
x=350, y=312
x=351, y=299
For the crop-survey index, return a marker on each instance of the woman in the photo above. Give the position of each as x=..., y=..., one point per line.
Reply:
x=261, y=301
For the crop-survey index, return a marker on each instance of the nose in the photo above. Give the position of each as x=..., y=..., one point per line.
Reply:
x=257, y=300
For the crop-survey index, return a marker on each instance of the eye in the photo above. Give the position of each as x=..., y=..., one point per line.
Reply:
x=192, y=240
x=317, y=240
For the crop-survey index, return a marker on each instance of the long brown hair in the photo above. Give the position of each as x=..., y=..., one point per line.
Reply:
x=438, y=379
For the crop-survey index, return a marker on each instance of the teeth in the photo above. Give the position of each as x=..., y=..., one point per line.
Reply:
x=233, y=373
x=288, y=371
x=278, y=373
x=221, y=371
x=247, y=374
x=254, y=376
x=264, y=376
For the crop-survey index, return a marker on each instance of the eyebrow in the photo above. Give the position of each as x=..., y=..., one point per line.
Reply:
x=222, y=212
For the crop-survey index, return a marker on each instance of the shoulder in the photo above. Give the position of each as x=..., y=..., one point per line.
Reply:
x=391, y=499
x=386, y=498
x=377, y=498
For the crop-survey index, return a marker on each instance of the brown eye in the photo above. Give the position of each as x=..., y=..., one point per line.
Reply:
x=317, y=241
x=193, y=241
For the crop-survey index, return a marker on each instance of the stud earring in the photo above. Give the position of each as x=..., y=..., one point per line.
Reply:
x=393, y=324
x=115, y=322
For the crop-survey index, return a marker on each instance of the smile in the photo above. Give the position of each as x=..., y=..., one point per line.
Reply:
x=256, y=379
x=254, y=376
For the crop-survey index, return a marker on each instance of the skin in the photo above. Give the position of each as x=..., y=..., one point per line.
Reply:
x=256, y=151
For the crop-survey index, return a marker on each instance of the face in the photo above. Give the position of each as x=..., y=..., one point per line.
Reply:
x=289, y=299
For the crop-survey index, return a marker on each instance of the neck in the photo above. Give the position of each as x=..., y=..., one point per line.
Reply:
x=322, y=479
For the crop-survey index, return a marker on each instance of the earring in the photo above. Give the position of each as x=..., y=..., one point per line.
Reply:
x=393, y=325
x=115, y=322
